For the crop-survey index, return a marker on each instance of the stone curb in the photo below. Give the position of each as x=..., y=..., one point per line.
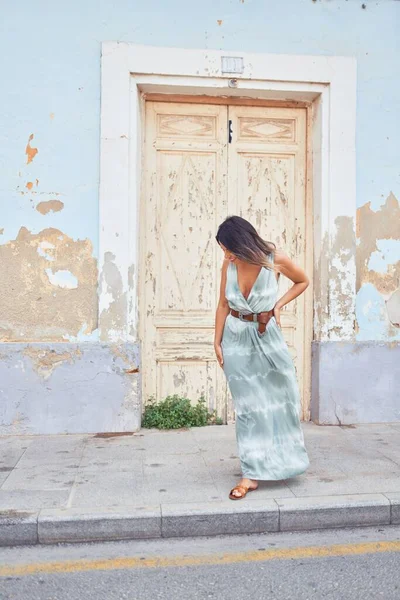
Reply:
x=50, y=526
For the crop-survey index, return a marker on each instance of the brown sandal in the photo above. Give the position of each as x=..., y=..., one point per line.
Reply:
x=241, y=489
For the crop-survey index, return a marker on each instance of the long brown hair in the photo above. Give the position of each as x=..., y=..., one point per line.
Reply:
x=241, y=238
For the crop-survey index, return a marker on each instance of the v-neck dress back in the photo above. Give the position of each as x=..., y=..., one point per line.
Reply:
x=262, y=380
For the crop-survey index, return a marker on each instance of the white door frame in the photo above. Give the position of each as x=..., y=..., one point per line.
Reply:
x=327, y=83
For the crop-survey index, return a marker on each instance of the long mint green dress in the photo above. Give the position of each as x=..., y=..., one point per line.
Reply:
x=262, y=380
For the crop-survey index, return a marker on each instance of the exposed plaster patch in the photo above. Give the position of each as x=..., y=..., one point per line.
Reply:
x=31, y=308
x=119, y=353
x=45, y=361
x=85, y=334
x=341, y=275
x=45, y=250
x=127, y=360
x=321, y=298
x=63, y=279
x=377, y=267
x=372, y=228
x=388, y=254
x=50, y=205
x=1, y=230
x=29, y=151
x=112, y=318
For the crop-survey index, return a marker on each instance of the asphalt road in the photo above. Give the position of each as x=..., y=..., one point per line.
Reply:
x=348, y=564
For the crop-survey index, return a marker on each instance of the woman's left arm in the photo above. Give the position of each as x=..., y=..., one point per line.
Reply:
x=296, y=274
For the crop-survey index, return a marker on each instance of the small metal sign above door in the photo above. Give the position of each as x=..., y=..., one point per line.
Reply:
x=232, y=64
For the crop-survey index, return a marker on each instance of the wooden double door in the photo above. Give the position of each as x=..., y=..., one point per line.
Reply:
x=203, y=162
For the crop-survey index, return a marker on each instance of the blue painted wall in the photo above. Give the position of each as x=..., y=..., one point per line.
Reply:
x=51, y=89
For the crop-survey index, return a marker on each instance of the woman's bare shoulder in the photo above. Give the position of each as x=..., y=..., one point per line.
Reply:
x=288, y=267
x=280, y=256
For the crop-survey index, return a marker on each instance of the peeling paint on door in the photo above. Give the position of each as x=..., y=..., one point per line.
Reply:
x=192, y=182
x=185, y=199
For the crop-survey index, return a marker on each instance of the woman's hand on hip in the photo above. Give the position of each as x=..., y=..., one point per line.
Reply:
x=219, y=355
x=277, y=315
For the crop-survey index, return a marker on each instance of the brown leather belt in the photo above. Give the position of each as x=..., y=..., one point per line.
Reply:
x=262, y=318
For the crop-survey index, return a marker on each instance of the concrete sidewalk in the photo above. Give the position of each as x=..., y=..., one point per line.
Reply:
x=153, y=483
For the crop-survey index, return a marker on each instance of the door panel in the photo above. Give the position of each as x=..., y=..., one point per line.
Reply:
x=183, y=203
x=193, y=180
x=267, y=160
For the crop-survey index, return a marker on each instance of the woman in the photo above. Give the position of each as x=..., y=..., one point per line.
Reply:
x=251, y=349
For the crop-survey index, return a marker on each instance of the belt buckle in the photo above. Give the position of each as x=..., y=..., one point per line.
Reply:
x=241, y=315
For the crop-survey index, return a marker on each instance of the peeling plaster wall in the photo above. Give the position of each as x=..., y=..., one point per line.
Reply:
x=378, y=271
x=68, y=388
x=51, y=109
x=49, y=284
x=49, y=162
x=340, y=291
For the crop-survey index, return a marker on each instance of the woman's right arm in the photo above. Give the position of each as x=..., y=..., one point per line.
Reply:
x=221, y=314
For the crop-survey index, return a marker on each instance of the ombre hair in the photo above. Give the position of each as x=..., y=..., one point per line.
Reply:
x=241, y=238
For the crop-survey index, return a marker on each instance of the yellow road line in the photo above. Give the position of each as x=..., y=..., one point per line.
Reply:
x=191, y=561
